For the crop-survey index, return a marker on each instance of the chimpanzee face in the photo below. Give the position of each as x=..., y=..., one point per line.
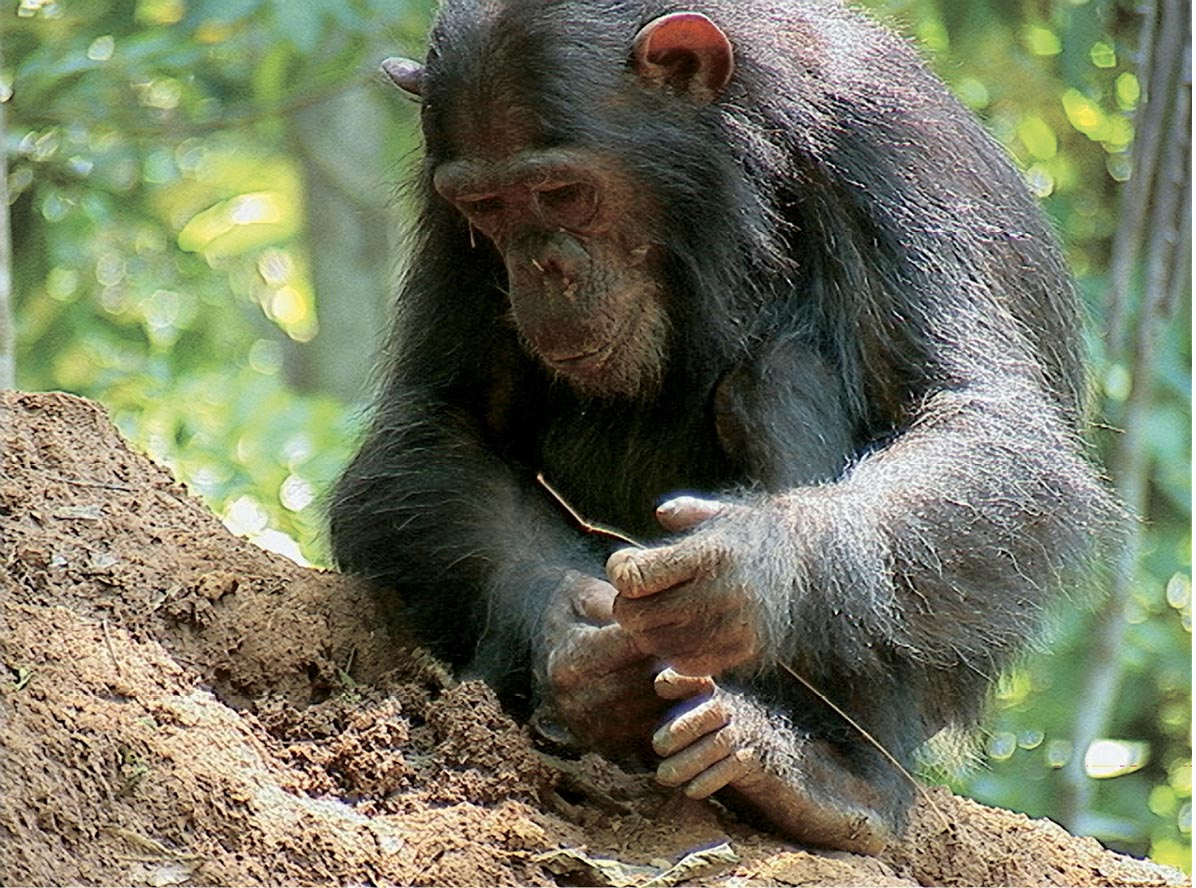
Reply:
x=577, y=236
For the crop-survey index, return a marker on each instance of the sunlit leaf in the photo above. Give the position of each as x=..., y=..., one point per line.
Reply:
x=1041, y=41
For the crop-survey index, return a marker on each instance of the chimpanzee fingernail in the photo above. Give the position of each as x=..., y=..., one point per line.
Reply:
x=679, y=505
x=683, y=512
x=624, y=572
x=662, y=741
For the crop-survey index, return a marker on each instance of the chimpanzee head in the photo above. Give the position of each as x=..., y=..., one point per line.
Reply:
x=528, y=136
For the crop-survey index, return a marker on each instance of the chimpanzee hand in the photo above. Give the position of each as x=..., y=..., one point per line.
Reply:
x=729, y=742
x=597, y=682
x=691, y=604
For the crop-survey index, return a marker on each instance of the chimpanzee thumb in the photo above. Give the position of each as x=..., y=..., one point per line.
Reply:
x=684, y=512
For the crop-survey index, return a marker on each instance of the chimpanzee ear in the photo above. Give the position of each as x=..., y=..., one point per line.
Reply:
x=687, y=52
x=406, y=74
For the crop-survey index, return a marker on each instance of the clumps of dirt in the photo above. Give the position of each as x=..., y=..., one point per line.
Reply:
x=970, y=844
x=394, y=748
x=178, y=707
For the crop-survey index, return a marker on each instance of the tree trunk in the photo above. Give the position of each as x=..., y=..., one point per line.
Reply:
x=1147, y=278
x=7, y=338
x=340, y=143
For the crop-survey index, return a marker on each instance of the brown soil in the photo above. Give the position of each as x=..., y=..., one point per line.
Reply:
x=179, y=707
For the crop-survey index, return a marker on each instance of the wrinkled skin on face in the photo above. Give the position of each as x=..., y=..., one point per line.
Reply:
x=582, y=271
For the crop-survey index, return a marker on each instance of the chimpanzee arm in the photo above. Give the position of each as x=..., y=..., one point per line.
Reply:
x=941, y=548
x=946, y=544
x=489, y=573
x=439, y=510
x=427, y=509
x=902, y=589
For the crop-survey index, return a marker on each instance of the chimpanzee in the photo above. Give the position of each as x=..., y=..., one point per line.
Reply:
x=740, y=279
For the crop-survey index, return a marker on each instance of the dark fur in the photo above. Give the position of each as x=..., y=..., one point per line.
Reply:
x=845, y=239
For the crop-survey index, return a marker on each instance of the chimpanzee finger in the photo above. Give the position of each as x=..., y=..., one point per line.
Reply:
x=613, y=649
x=640, y=572
x=683, y=512
x=593, y=599
x=654, y=613
x=672, y=685
x=723, y=773
x=691, y=652
x=692, y=631
x=690, y=727
x=594, y=652
x=694, y=759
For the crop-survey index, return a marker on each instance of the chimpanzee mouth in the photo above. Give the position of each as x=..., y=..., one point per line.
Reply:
x=602, y=367
x=586, y=363
x=589, y=362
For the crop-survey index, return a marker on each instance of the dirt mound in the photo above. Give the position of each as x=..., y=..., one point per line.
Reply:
x=179, y=707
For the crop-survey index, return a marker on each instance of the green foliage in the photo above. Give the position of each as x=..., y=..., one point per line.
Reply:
x=158, y=222
x=161, y=267
x=1056, y=84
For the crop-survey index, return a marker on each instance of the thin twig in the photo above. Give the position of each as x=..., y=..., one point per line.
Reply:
x=585, y=525
x=237, y=119
x=880, y=747
x=77, y=482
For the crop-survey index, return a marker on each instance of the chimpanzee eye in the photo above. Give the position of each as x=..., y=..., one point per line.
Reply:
x=560, y=196
x=480, y=206
x=571, y=205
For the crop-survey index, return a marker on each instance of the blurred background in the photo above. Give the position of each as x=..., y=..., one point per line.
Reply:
x=204, y=230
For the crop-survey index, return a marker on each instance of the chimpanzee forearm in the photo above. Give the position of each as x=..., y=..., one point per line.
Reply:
x=944, y=546
x=940, y=550
x=752, y=755
x=483, y=550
